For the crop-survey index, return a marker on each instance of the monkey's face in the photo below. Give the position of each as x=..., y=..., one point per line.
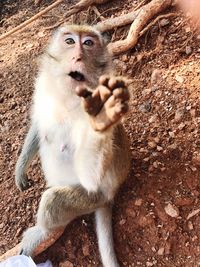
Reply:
x=81, y=54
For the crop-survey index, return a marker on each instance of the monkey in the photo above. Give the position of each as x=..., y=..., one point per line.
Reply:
x=76, y=128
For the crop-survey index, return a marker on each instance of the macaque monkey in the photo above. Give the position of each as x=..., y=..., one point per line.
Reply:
x=75, y=126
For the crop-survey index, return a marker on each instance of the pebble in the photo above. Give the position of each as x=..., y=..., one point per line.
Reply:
x=188, y=50
x=138, y=202
x=66, y=264
x=172, y=210
x=149, y=264
x=179, y=114
x=161, y=251
x=159, y=148
x=153, y=118
x=152, y=144
x=190, y=226
x=193, y=213
x=122, y=222
x=181, y=126
x=156, y=76
x=196, y=159
x=164, y=22
x=179, y=78
x=86, y=250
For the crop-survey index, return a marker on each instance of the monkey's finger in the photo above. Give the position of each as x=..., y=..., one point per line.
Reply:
x=82, y=92
x=115, y=82
x=104, y=92
x=104, y=80
x=93, y=104
x=121, y=93
x=121, y=108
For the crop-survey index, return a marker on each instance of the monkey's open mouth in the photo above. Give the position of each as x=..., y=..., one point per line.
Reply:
x=76, y=75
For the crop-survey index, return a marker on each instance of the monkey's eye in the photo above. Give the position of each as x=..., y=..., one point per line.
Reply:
x=69, y=41
x=88, y=43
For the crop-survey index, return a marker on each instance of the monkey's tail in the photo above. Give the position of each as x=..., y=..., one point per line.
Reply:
x=105, y=236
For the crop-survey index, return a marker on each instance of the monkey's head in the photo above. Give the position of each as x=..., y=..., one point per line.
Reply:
x=79, y=53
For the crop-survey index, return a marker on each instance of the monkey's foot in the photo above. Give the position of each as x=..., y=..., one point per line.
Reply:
x=107, y=103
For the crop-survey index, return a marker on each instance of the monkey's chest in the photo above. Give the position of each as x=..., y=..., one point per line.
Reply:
x=59, y=143
x=57, y=154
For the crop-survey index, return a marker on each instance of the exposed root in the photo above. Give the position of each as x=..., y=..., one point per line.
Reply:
x=43, y=246
x=155, y=21
x=144, y=14
x=28, y=21
x=120, y=21
x=76, y=8
x=83, y=4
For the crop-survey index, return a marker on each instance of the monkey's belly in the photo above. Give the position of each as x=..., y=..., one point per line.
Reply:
x=58, y=166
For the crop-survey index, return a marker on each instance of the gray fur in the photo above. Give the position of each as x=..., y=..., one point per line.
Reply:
x=29, y=150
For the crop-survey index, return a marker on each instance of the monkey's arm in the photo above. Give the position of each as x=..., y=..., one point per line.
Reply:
x=107, y=104
x=29, y=149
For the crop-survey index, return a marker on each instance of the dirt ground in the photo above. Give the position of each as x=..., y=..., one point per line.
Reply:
x=157, y=211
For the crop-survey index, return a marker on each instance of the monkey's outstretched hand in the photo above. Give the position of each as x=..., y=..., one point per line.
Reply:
x=107, y=103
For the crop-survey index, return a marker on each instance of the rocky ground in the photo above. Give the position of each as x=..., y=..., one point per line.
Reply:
x=157, y=211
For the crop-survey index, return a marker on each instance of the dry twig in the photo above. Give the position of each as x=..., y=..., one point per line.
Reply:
x=28, y=21
x=155, y=21
x=76, y=8
x=43, y=246
x=83, y=4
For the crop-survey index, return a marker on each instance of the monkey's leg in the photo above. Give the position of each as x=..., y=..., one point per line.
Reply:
x=105, y=236
x=30, y=148
x=59, y=206
x=107, y=104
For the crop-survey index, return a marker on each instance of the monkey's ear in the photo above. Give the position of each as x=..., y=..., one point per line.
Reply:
x=106, y=36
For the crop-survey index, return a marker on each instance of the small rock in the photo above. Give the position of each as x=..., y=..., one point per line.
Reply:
x=41, y=34
x=86, y=250
x=66, y=264
x=196, y=159
x=1, y=225
x=122, y=222
x=190, y=226
x=159, y=148
x=179, y=114
x=161, y=251
x=172, y=210
x=187, y=29
x=146, y=91
x=155, y=164
x=179, y=78
x=188, y=50
x=130, y=212
x=164, y=22
x=183, y=201
x=181, y=126
x=193, y=213
x=138, y=202
x=149, y=264
x=171, y=134
x=153, y=118
x=124, y=58
x=152, y=144
x=146, y=107
x=156, y=76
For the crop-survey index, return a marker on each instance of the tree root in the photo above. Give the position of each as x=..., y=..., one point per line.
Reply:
x=76, y=8
x=42, y=247
x=28, y=21
x=83, y=4
x=144, y=14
